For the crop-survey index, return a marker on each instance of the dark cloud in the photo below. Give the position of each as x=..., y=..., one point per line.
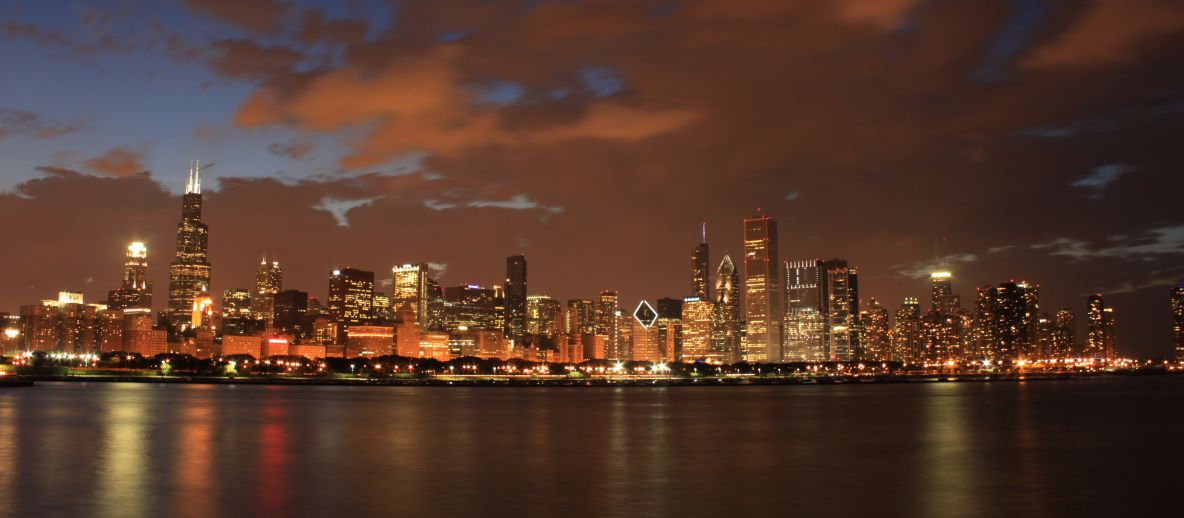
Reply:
x=22, y=122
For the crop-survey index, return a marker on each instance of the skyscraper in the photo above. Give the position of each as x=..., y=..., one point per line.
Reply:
x=906, y=332
x=269, y=280
x=874, y=332
x=351, y=299
x=726, y=324
x=580, y=319
x=608, y=320
x=189, y=273
x=515, y=290
x=840, y=309
x=135, y=291
x=542, y=316
x=942, y=327
x=762, y=291
x=409, y=287
x=1064, y=335
x=696, y=329
x=1095, y=334
x=1178, y=321
x=802, y=331
x=701, y=269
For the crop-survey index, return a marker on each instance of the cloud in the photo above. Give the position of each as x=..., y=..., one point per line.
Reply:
x=117, y=161
x=922, y=269
x=1110, y=32
x=296, y=150
x=1102, y=176
x=1159, y=241
x=340, y=207
x=22, y=122
x=262, y=16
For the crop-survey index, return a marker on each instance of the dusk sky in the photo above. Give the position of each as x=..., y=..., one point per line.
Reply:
x=1020, y=139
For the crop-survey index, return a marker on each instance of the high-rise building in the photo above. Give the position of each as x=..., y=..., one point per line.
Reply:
x=762, y=291
x=802, y=329
x=580, y=319
x=727, y=326
x=942, y=326
x=983, y=323
x=470, y=306
x=292, y=313
x=269, y=280
x=696, y=329
x=189, y=273
x=515, y=301
x=1178, y=321
x=135, y=291
x=906, y=332
x=701, y=269
x=1095, y=334
x=435, y=306
x=409, y=287
x=351, y=299
x=874, y=332
x=1064, y=335
x=840, y=309
x=542, y=316
x=1016, y=321
x=669, y=326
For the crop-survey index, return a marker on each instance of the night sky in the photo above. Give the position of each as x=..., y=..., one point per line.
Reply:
x=1021, y=139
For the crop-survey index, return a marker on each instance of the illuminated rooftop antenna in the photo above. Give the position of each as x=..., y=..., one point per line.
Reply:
x=704, y=232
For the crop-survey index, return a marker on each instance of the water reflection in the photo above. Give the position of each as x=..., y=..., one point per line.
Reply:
x=992, y=449
x=122, y=476
x=194, y=469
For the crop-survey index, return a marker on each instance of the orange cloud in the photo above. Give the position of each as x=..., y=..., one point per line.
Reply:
x=117, y=161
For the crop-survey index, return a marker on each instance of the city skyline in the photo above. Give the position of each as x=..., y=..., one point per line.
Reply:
x=1029, y=140
x=782, y=311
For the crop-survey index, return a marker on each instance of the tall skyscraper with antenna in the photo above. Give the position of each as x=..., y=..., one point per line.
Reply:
x=701, y=269
x=189, y=273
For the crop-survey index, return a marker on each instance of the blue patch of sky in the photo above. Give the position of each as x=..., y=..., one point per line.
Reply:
x=602, y=81
x=1027, y=15
x=497, y=92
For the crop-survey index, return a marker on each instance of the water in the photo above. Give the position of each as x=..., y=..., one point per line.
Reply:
x=1083, y=447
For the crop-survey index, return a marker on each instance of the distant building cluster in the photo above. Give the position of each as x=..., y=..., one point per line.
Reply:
x=762, y=310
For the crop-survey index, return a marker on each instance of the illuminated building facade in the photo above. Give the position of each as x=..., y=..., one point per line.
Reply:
x=579, y=319
x=983, y=324
x=839, y=289
x=874, y=331
x=515, y=299
x=696, y=329
x=351, y=299
x=409, y=287
x=189, y=273
x=470, y=306
x=66, y=324
x=238, y=317
x=269, y=280
x=906, y=332
x=727, y=327
x=543, y=315
x=135, y=291
x=369, y=340
x=762, y=291
x=802, y=336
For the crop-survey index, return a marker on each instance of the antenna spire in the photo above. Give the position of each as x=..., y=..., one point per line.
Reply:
x=197, y=178
x=704, y=232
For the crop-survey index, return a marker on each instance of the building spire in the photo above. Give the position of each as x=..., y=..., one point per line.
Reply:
x=197, y=177
x=704, y=232
x=189, y=180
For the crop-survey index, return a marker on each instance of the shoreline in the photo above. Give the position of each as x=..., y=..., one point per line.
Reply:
x=525, y=381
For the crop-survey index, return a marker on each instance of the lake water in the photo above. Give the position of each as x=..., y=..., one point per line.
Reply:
x=1083, y=447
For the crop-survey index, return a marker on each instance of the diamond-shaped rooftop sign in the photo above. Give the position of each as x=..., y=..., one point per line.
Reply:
x=645, y=314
